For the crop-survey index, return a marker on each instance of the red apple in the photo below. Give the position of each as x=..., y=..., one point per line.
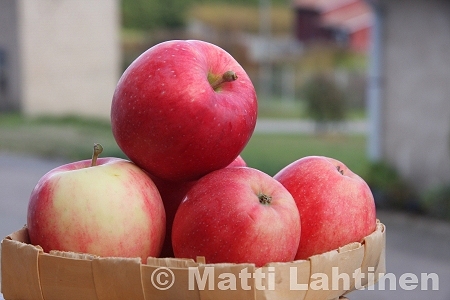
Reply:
x=336, y=205
x=106, y=207
x=183, y=109
x=172, y=193
x=237, y=215
x=237, y=162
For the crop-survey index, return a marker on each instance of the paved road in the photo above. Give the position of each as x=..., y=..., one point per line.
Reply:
x=414, y=245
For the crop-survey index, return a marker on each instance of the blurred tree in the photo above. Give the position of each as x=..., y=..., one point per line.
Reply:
x=436, y=201
x=325, y=101
x=390, y=189
x=144, y=14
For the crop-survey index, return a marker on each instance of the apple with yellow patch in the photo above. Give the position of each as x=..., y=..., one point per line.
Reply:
x=105, y=206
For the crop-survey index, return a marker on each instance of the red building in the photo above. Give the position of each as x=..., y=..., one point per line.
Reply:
x=346, y=22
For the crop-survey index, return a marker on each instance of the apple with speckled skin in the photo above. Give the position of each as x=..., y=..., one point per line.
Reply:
x=335, y=204
x=172, y=193
x=237, y=215
x=182, y=109
x=105, y=206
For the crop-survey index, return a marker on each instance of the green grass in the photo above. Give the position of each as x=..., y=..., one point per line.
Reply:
x=72, y=138
x=270, y=153
x=66, y=137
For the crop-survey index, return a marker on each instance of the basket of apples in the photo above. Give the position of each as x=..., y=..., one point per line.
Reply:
x=184, y=217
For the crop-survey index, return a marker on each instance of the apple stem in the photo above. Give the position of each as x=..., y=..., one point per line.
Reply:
x=97, y=150
x=228, y=76
x=264, y=199
x=340, y=170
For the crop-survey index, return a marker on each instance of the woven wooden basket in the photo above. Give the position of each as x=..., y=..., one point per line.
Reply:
x=30, y=273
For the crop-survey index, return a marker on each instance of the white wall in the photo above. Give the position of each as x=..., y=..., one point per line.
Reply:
x=416, y=82
x=9, y=70
x=70, y=56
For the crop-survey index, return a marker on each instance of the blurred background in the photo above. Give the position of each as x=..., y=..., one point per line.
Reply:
x=364, y=81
